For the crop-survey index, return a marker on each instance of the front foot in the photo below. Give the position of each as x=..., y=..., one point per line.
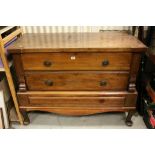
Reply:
x=26, y=120
x=128, y=120
x=129, y=123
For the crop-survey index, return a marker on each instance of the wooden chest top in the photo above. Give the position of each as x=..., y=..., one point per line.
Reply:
x=78, y=42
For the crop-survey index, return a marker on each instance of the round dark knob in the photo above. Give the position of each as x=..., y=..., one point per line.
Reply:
x=103, y=83
x=48, y=83
x=47, y=63
x=105, y=63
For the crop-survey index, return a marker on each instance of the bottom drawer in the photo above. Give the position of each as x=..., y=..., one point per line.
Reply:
x=77, y=101
x=71, y=100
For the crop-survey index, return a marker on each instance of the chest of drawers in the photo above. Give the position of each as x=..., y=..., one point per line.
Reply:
x=77, y=73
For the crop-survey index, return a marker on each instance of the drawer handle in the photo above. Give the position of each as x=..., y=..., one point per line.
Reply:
x=105, y=63
x=103, y=83
x=49, y=83
x=47, y=63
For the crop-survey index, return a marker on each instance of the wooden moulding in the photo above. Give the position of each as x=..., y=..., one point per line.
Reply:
x=77, y=111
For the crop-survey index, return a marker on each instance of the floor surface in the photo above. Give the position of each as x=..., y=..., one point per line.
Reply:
x=41, y=120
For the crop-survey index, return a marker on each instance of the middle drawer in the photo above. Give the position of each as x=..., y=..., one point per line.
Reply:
x=77, y=80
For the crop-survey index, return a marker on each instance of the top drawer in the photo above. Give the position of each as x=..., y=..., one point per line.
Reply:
x=76, y=61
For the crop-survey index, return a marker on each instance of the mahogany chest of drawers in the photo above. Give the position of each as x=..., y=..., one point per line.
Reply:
x=77, y=73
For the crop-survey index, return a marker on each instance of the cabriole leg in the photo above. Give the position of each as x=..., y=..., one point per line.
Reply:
x=128, y=120
x=26, y=119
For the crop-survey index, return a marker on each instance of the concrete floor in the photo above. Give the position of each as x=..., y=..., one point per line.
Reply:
x=41, y=120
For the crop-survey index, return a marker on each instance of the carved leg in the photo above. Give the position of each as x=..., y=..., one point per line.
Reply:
x=128, y=120
x=136, y=114
x=26, y=119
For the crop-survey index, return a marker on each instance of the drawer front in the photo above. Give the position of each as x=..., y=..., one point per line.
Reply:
x=80, y=80
x=78, y=102
x=76, y=61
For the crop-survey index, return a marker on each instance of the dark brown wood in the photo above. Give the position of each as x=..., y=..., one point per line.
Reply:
x=76, y=61
x=133, y=71
x=151, y=56
x=128, y=120
x=77, y=73
x=24, y=100
x=131, y=99
x=78, y=111
x=19, y=72
x=74, y=102
x=26, y=119
x=77, y=101
x=106, y=41
x=76, y=93
x=77, y=80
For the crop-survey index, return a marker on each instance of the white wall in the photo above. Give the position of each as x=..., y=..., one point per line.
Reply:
x=55, y=29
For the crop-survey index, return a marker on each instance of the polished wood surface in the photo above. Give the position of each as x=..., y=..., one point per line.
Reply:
x=77, y=61
x=106, y=41
x=77, y=102
x=78, y=111
x=74, y=80
x=77, y=73
x=130, y=98
x=76, y=93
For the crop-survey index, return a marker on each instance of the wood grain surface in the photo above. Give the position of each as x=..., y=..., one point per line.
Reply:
x=76, y=61
x=77, y=80
x=77, y=102
x=75, y=42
